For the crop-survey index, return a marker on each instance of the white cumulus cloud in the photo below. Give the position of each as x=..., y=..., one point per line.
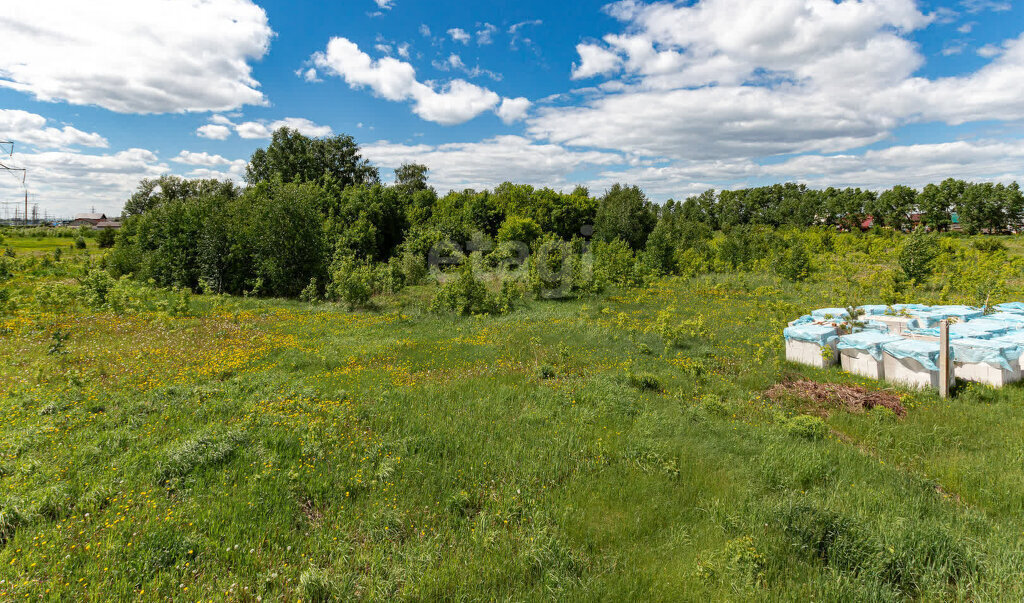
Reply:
x=490, y=162
x=459, y=35
x=450, y=103
x=23, y=127
x=135, y=56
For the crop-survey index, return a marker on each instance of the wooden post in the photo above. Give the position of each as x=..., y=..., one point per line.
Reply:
x=944, y=358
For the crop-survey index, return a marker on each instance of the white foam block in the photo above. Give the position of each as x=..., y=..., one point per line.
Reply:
x=989, y=374
x=861, y=363
x=909, y=372
x=896, y=324
x=805, y=352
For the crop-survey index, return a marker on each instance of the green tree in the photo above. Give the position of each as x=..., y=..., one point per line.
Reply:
x=894, y=206
x=293, y=157
x=516, y=229
x=794, y=263
x=153, y=192
x=105, y=238
x=937, y=203
x=280, y=231
x=411, y=177
x=624, y=213
x=917, y=256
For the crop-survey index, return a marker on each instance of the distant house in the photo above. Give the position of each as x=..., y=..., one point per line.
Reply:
x=88, y=219
x=108, y=224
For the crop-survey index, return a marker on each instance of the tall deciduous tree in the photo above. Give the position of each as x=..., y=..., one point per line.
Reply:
x=411, y=177
x=153, y=192
x=894, y=206
x=293, y=157
x=624, y=213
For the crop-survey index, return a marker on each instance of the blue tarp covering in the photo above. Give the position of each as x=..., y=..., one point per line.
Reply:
x=1017, y=307
x=870, y=325
x=1015, y=337
x=961, y=312
x=925, y=352
x=910, y=307
x=867, y=341
x=874, y=310
x=803, y=320
x=1000, y=353
x=996, y=327
x=819, y=334
x=1016, y=320
x=979, y=329
x=833, y=312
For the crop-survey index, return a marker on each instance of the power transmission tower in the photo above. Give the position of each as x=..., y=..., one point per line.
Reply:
x=7, y=166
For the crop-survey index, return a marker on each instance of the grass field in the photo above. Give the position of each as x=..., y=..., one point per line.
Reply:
x=255, y=449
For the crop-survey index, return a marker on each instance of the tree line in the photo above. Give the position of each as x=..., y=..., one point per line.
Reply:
x=314, y=220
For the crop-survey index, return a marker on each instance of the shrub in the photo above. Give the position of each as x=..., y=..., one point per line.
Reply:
x=683, y=332
x=545, y=371
x=988, y=245
x=917, y=255
x=517, y=229
x=352, y=282
x=551, y=269
x=615, y=262
x=807, y=427
x=645, y=382
x=311, y=293
x=390, y=277
x=96, y=285
x=508, y=296
x=414, y=268
x=712, y=404
x=105, y=238
x=79, y=243
x=465, y=294
x=794, y=263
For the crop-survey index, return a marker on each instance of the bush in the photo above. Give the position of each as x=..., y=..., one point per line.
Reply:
x=352, y=282
x=105, y=238
x=615, y=263
x=465, y=294
x=645, y=382
x=96, y=285
x=794, y=263
x=712, y=404
x=917, y=255
x=79, y=243
x=311, y=294
x=414, y=268
x=390, y=277
x=545, y=371
x=517, y=229
x=807, y=427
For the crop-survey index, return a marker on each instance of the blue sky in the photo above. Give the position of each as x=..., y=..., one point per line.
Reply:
x=675, y=97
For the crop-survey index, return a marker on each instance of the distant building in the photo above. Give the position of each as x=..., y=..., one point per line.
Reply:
x=88, y=219
x=108, y=224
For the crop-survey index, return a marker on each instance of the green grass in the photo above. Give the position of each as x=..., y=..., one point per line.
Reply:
x=274, y=449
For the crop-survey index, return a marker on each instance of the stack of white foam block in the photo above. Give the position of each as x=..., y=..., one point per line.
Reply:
x=859, y=362
x=989, y=374
x=897, y=324
x=907, y=371
x=811, y=354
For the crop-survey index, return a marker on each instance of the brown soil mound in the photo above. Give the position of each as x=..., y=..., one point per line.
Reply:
x=851, y=398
